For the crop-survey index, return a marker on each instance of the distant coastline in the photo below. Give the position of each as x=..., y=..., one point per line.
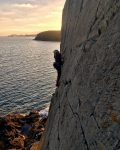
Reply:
x=26, y=35
x=48, y=36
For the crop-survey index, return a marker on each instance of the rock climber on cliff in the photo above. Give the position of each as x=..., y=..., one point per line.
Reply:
x=57, y=65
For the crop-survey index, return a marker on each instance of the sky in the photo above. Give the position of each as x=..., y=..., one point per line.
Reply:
x=30, y=16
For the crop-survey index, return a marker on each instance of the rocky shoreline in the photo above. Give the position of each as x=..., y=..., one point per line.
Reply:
x=19, y=131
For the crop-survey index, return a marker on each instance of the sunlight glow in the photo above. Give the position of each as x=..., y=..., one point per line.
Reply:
x=30, y=16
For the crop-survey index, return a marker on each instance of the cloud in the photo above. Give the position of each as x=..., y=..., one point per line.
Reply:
x=28, y=5
x=30, y=16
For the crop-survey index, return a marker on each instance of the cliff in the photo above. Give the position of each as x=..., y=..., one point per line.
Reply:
x=85, y=109
x=48, y=36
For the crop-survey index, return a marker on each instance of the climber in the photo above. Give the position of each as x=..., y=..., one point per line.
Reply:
x=57, y=65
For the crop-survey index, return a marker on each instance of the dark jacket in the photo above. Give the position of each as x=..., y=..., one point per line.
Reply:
x=58, y=62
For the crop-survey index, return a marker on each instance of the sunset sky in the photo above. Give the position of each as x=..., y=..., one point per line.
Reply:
x=30, y=16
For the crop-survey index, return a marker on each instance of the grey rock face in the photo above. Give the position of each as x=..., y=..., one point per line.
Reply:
x=85, y=110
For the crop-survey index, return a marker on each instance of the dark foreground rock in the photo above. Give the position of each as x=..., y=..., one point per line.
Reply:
x=20, y=132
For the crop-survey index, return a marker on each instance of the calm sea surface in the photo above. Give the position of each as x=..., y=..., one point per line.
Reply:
x=27, y=76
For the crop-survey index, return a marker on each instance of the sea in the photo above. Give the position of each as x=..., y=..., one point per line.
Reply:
x=27, y=76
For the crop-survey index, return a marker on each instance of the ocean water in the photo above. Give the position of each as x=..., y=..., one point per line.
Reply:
x=27, y=76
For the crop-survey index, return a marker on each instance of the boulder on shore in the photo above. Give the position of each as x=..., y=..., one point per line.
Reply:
x=21, y=131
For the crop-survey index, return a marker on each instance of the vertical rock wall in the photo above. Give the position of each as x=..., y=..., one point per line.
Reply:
x=85, y=109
